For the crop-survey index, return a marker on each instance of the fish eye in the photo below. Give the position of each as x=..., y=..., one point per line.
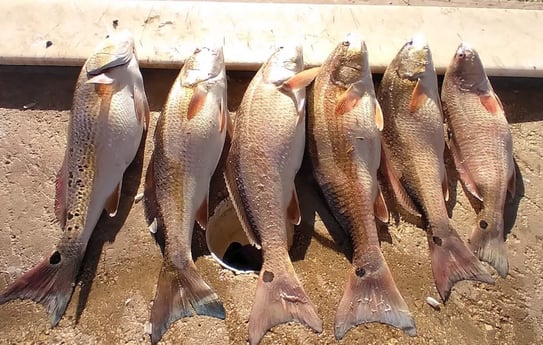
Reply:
x=197, y=50
x=461, y=55
x=346, y=43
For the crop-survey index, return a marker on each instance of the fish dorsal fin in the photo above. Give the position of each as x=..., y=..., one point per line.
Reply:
x=101, y=78
x=403, y=199
x=301, y=80
x=380, y=207
x=347, y=101
x=293, y=209
x=512, y=185
x=491, y=102
x=463, y=171
x=418, y=97
x=112, y=202
x=201, y=214
x=196, y=102
x=60, y=194
x=379, y=119
x=142, y=107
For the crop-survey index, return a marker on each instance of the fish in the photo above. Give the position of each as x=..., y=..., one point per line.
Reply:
x=266, y=152
x=482, y=149
x=344, y=125
x=188, y=143
x=413, y=148
x=107, y=122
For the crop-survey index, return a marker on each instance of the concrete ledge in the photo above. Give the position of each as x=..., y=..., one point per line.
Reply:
x=509, y=41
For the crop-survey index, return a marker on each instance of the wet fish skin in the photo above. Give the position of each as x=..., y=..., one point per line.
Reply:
x=106, y=124
x=482, y=147
x=266, y=152
x=413, y=145
x=344, y=125
x=189, y=139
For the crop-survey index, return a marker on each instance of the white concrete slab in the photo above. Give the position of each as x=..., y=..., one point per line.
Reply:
x=509, y=41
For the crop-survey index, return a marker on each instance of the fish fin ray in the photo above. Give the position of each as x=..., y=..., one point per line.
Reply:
x=46, y=283
x=380, y=207
x=278, y=300
x=196, y=103
x=202, y=213
x=112, y=202
x=452, y=261
x=489, y=246
x=373, y=297
x=181, y=293
x=418, y=97
x=347, y=101
x=463, y=171
x=402, y=198
x=293, y=210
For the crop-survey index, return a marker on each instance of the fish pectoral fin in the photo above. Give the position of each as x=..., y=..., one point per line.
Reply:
x=418, y=97
x=196, y=102
x=112, y=56
x=463, y=171
x=293, y=210
x=142, y=107
x=101, y=78
x=491, y=102
x=60, y=194
x=380, y=207
x=445, y=187
x=347, y=101
x=379, y=119
x=223, y=117
x=301, y=80
x=402, y=197
x=201, y=214
x=112, y=202
x=231, y=118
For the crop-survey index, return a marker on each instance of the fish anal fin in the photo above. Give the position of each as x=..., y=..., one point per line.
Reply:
x=50, y=283
x=463, y=171
x=60, y=194
x=280, y=298
x=112, y=202
x=452, y=261
x=202, y=214
x=196, y=103
x=347, y=101
x=181, y=292
x=301, y=80
x=491, y=102
x=402, y=198
x=418, y=97
x=293, y=210
x=372, y=296
x=101, y=78
x=379, y=119
x=380, y=207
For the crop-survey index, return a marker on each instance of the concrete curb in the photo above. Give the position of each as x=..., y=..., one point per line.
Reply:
x=167, y=31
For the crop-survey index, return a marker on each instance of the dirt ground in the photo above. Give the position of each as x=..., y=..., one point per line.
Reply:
x=111, y=304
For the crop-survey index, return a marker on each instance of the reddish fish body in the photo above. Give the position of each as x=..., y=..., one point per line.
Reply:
x=413, y=156
x=481, y=143
x=344, y=142
x=105, y=129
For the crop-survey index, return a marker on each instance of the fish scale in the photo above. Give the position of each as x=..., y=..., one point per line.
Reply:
x=414, y=143
x=481, y=143
x=344, y=145
x=105, y=129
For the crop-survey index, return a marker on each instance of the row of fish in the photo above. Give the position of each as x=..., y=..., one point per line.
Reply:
x=352, y=132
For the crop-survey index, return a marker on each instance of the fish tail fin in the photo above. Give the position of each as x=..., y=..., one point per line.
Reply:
x=280, y=298
x=181, y=292
x=491, y=249
x=372, y=297
x=50, y=283
x=453, y=261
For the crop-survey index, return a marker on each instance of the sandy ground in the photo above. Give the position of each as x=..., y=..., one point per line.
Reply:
x=112, y=302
